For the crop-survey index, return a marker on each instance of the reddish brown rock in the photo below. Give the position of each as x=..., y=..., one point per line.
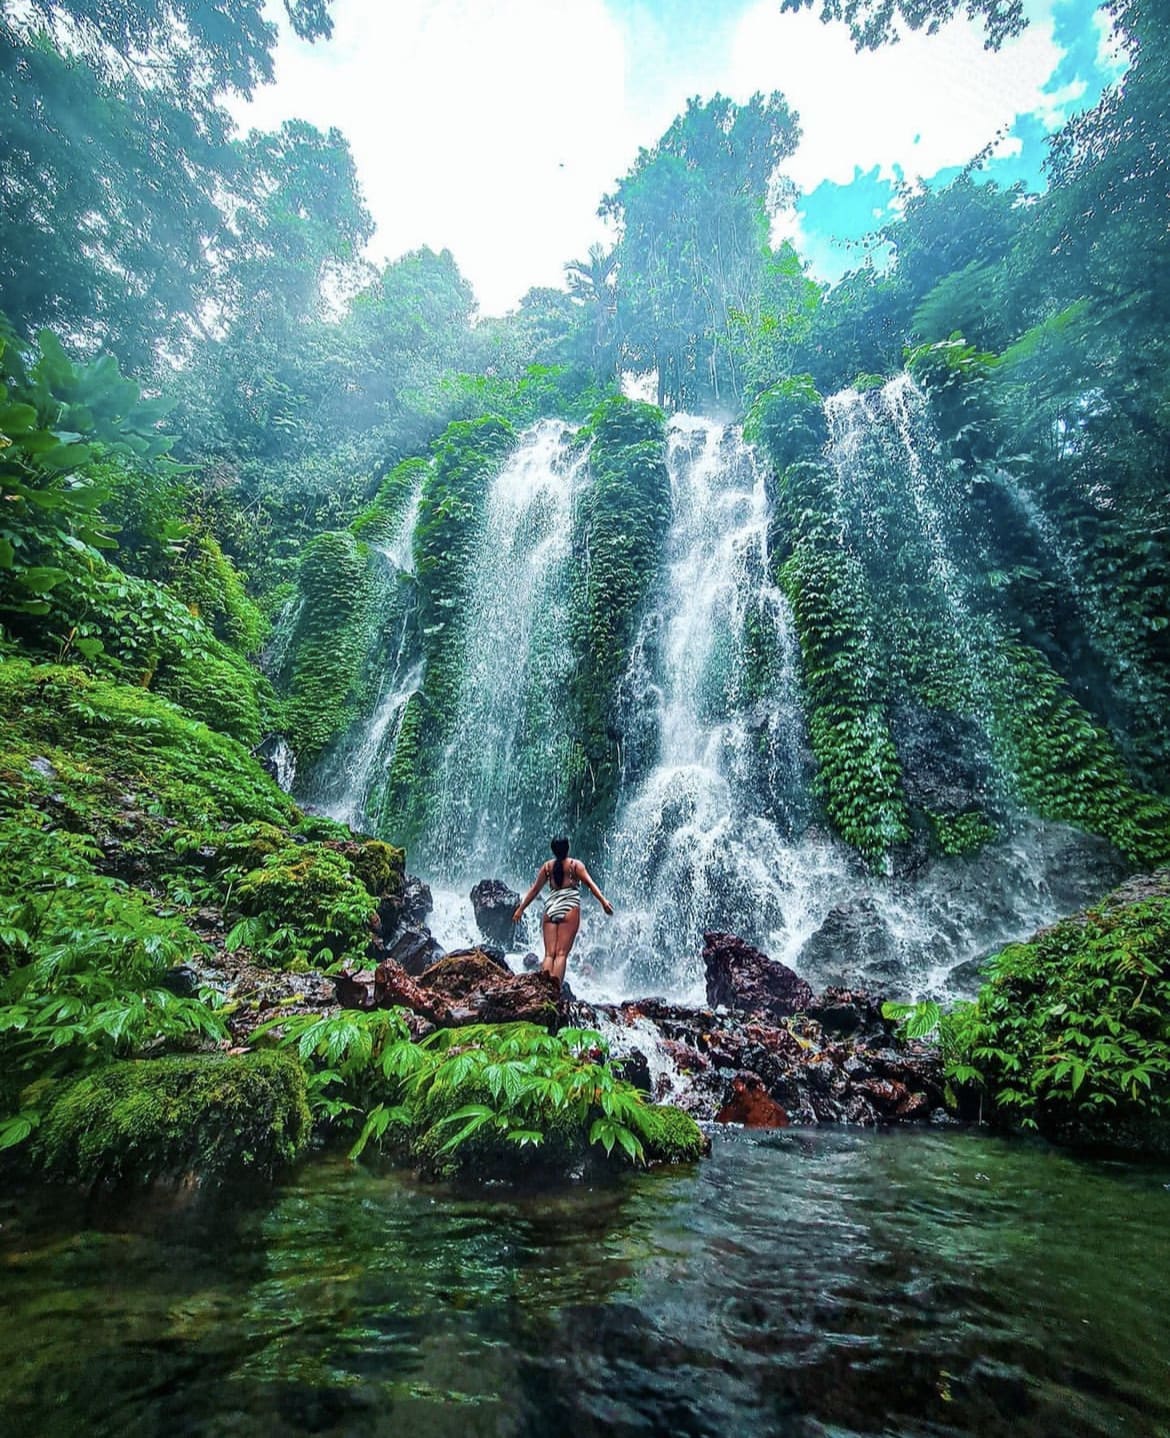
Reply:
x=474, y=990
x=750, y=1104
x=746, y=980
x=393, y=987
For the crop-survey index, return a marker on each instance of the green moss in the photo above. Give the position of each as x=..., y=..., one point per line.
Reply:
x=379, y=866
x=671, y=1136
x=618, y=544
x=112, y=748
x=212, y=1116
x=333, y=644
x=133, y=630
x=207, y=582
x=450, y=520
x=382, y=520
x=1071, y=1031
x=311, y=897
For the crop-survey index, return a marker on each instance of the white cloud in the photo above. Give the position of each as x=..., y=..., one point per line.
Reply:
x=489, y=129
x=923, y=104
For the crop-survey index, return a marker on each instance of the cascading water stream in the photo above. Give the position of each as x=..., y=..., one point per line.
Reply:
x=500, y=779
x=345, y=786
x=706, y=838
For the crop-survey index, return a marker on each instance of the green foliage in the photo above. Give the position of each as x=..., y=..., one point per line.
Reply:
x=873, y=23
x=207, y=582
x=450, y=516
x=956, y=834
x=312, y=904
x=619, y=532
x=695, y=276
x=483, y=1101
x=213, y=1116
x=1071, y=1030
x=859, y=776
x=333, y=651
x=788, y=421
x=81, y=957
x=1066, y=766
x=112, y=746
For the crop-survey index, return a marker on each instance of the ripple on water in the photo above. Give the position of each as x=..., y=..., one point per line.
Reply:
x=833, y=1282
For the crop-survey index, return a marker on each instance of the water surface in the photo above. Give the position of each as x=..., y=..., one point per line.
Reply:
x=804, y=1283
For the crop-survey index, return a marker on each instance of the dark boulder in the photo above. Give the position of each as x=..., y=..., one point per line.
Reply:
x=851, y=1013
x=494, y=904
x=853, y=945
x=748, y=981
x=416, y=949
x=405, y=909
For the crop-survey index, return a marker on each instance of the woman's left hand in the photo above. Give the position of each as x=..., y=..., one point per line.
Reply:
x=518, y=915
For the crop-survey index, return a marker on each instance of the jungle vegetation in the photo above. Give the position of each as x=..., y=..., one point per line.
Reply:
x=209, y=400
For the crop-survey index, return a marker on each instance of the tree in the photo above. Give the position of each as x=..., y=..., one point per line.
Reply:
x=873, y=23
x=117, y=150
x=693, y=220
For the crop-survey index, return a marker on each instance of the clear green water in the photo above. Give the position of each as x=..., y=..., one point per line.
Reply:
x=804, y=1283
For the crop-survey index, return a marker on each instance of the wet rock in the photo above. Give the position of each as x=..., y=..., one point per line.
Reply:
x=851, y=1013
x=494, y=952
x=416, y=949
x=634, y=1067
x=182, y=981
x=746, y=980
x=530, y=962
x=852, y=947
x=354, y=990
x=475, y=990
x=43, y=767
x=393, y=987
x=417, y=901
x=494, y=903
x=749, y=1103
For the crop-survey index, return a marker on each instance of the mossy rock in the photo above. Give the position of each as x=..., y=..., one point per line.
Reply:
x=380, y=867
x=673, y=1136
x=213, y=1116
x=313, y=891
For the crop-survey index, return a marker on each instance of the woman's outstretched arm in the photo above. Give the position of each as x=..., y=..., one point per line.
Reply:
x=587, y=880
x=518, y=914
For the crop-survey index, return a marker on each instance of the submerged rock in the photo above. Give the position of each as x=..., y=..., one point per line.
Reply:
x=747, y=980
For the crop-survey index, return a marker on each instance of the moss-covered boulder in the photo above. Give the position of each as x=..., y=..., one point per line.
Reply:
x=214, y=1117
x=1070, y=1033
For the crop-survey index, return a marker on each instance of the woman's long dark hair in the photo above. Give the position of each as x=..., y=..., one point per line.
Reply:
x=560, y=848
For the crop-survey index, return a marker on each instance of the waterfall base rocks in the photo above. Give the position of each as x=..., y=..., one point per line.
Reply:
x=494, y=904
x=748, y=981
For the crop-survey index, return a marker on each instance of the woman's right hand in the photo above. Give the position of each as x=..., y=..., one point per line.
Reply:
x=607, y=907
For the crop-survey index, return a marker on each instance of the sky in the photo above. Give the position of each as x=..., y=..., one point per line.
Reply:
x=494, y=127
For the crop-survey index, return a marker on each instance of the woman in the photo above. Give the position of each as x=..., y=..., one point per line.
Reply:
x=562, y=908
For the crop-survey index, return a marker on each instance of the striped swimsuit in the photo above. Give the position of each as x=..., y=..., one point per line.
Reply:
x=561, y=902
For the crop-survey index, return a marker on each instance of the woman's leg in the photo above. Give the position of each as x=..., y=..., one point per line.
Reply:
x=568, y=932
x=549, y=930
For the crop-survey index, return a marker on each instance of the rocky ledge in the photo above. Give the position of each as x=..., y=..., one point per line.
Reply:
x=765, y=1052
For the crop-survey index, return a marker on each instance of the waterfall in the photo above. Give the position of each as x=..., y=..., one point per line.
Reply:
x=717, y=824
x=347, y=782
x=708, y=838
x=500, y=780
